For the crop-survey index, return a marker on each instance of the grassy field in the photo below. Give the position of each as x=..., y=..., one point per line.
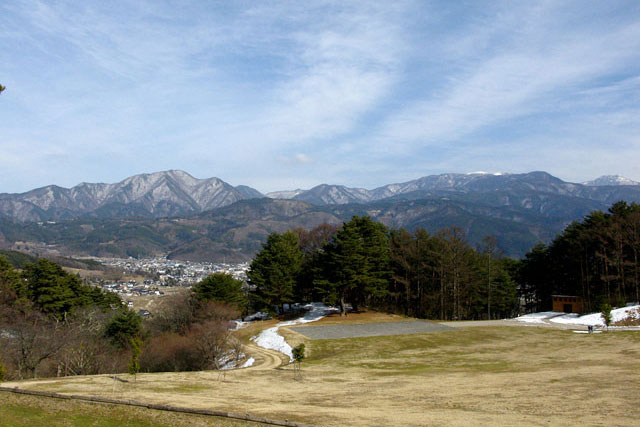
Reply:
x=469, y=376
x=35, y=411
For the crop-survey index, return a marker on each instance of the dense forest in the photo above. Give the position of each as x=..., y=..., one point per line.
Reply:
x=440, y=276
x=364, y=264
x=596, y=259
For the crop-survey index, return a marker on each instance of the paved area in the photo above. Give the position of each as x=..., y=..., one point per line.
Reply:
x=512, y=322
x=324, y=332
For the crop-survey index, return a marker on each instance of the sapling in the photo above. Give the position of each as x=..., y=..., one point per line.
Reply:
x=606, y=314
x=298, y=355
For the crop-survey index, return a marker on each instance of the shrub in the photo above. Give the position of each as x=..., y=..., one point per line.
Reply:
x=169, y=352
x=606, y=314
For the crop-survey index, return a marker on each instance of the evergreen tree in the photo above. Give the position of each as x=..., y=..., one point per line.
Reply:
x=223, y=288
x=596, y=259
x=11, y=287
x=54, y=291
x=275, y=270
x=356, y=264
x=50, y=288
x=124, y=327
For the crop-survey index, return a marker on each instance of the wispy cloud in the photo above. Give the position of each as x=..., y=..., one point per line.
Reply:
x=529, y=72
x=360, y=93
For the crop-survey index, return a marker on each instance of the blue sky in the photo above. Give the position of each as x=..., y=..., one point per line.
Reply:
x=282, y=95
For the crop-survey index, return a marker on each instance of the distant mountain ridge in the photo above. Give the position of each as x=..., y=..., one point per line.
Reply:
x=176, y=215
x=159, y=194
x=611, y=180
x=175, y=193
x=478, y=182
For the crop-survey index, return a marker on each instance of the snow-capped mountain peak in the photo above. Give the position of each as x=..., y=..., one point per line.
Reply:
x=610, y=180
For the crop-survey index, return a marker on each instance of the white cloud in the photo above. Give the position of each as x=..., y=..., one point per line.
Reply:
x=360, y=93
x=302, y=158
x=527, y=73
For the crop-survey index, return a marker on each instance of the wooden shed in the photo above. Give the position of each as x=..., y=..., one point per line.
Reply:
x=568, y=303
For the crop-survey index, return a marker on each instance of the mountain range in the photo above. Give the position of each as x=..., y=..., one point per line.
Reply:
x=160, y=194
x=174, y=214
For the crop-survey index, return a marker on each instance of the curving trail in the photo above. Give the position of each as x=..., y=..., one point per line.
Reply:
x=265, y=358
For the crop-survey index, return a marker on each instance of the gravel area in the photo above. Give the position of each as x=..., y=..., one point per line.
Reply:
x=323, y=332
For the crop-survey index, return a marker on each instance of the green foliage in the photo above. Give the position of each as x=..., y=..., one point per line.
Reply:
x=365, y=265
x=17, y=259
x=136, y=349
x=275, y=269
x=124, y=327
x=606, y=314
x=11, y=287
x=56, y=292
x=597, y=259
x=298, y=353
x=356, y=264
x=3, y=372
x=223, y=288
x=51, y=289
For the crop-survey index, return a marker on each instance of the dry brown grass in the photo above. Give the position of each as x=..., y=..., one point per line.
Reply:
x=153, y=302
x=470, y=376
x=23, y=410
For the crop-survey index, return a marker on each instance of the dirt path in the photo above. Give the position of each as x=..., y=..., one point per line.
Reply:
x=265, y=358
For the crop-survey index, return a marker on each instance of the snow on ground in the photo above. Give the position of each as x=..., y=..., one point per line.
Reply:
x=230, y=360
x=239, y=325
x=269, y=338
x=249, y=362
x=593, y=319
x=537, y=317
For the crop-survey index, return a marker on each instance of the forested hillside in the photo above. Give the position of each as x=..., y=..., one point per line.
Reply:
x=597, y=258
x=364, y=264
x=441, y=276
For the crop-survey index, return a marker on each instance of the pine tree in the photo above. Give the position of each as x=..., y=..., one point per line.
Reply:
x=223, y=288
x=275, y=270
x=356, y=264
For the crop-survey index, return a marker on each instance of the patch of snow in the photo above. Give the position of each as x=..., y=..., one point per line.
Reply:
x=230, y=360
x=617, y=315
x=239, y=325
x=593, y=319
x=568, y=319
x=260, y=315
x=539, y=317
x=270, y=339
x=249, y=362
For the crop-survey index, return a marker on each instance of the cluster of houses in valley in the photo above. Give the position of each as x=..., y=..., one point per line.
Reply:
x=161, y=272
